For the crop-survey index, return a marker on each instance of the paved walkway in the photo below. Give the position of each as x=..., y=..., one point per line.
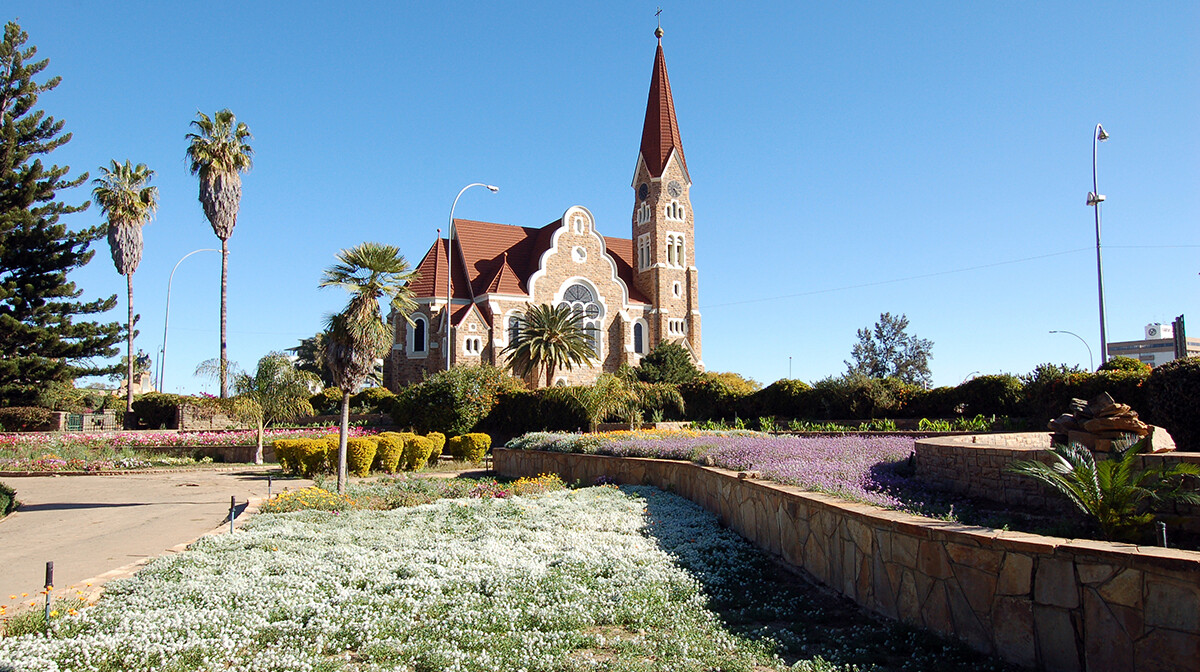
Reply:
x=90, y=525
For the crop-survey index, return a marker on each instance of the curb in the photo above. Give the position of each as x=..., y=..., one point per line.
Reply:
x=134, y=472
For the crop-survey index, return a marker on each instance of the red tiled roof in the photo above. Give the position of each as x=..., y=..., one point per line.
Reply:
x=621, y=251
x=431, y=275
x=660, y=132
x=500, y=258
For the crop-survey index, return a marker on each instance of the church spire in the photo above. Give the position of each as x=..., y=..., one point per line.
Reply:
x=660, y=132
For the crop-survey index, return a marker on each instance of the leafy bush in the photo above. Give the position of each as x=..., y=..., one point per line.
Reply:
x=1048, y=392
x=156, y=410
x=438, y=441
x=360, y=453
x=290, y=454
x=454, y=401
x=469, y=447
x=667, y=363
x=313, y=455
x=327, y=401
x=517, y=412
x=1173, y=400
x=23, y=418
x=999, y=394
x=710, y=397
x=373, y=399
x=1122, y=363
x=786, y=398
x=389, y=451
x=940, y=402
x=857, y=397
x=417, y=451
x=8, y=500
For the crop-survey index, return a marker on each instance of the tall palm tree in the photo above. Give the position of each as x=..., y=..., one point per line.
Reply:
x=550, y=337
x=218, y=152
x=357, y=336
x=122, y=193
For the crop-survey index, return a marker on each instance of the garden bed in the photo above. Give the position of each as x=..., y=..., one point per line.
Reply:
x=599, y=578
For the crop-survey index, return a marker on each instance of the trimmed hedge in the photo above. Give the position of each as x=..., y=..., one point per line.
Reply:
x=24, y=418
x=327, y=401
x=438, y=442
x=389, y=452
x=1173, y=391
x=360, y=453
x=469, y=447
x=417, y=451
x=375, y=399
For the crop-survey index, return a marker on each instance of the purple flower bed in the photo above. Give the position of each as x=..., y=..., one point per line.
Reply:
x=863, y=468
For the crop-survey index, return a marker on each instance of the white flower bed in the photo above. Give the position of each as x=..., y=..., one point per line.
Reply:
x=569, y=580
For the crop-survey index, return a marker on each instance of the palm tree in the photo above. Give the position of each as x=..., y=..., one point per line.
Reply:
x=125, y=199
x=550, y=337
x=357, y=336
x=218, y=153
x=277, y=391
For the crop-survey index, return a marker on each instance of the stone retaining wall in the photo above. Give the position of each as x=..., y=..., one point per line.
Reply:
x=1053, y=604
x=977, y=466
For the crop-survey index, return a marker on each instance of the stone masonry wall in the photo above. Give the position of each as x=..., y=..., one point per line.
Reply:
x=1043, y=602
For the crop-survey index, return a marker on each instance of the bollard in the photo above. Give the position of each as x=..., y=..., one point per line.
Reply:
x=232, y=511
x=49, y=587
x=268, y=487
x=1162, y=534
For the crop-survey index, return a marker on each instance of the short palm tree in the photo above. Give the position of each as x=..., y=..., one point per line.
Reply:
x=277, y=391
x=218, y=153
x=357, y=336
x=128, y=203
x=550, y=337
x=1112, y=491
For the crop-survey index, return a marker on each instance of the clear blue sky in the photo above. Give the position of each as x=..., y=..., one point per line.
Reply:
x=930, y=159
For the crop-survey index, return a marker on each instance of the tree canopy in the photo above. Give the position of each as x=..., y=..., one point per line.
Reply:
x=42, y=338
x=667, y=363
x=888, y=351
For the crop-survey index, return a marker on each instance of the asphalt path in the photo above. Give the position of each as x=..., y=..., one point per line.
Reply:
x=92, y=525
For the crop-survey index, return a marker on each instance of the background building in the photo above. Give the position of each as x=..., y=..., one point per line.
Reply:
x=1158, y=347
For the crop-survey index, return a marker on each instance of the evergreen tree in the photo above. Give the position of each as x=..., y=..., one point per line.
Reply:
x=40, y=340
x=667, y=363
x=888, y=351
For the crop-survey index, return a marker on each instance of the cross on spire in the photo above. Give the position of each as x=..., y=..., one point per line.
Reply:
x=658, y=32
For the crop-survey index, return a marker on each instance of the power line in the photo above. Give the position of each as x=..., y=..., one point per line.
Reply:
x=907, y=278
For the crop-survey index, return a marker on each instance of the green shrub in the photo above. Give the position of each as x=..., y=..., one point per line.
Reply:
x=469, y=447
x=313, y=456
x=518, y=412
x=156, y=410
x=857, y=397
x=454, y=401
x=360, y=453
x=389, y=451
x=290, y=454
x=940, y=402
x=8, y=500
x=785, y=398
x=23, y=418
x=708, y=397
x=1049, y=390
x=1173, y=400
x=438, y=441
x=1122, y=363
x=667, y=363
x=417, y=451
x=1000, y=394
x=327, y=401
x=373, y=399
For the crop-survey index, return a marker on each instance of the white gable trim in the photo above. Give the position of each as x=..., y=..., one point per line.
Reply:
x=566, y=223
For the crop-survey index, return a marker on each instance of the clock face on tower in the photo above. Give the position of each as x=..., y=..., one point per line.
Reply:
x=674, y=189
x=643, y=191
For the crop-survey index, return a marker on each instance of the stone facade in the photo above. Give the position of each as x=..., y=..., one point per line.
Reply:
x=1041, y=602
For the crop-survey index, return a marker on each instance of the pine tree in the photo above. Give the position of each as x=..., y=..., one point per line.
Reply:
x=40, y=339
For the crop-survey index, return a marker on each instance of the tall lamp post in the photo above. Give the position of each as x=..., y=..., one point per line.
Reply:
x=1094, y=199
x=162, y=367
x=449, y=246
x=1091, y=362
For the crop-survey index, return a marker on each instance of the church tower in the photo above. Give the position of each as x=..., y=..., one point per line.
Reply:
x=663, y=232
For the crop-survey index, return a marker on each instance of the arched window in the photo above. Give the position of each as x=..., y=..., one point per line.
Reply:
x=514, y=329
x=583, y=304
x=639, y=338
x=418, y=335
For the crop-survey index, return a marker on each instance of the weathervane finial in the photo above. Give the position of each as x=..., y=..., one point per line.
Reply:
x=658, y=32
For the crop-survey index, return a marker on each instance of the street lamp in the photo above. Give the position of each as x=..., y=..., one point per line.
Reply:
x=449, y=244
x=1094, y=199
x=162, y=367
x=1091, y=362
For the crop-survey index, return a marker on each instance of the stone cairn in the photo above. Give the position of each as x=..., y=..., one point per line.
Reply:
x=1096, y=424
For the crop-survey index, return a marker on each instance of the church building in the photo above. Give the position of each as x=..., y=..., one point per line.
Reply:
x=632, y=293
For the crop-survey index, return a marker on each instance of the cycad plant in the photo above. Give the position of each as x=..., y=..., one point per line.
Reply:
x=123, y=194
x=550, y=337
x=357, y=336
x=1113, y=491
x=218, y=152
